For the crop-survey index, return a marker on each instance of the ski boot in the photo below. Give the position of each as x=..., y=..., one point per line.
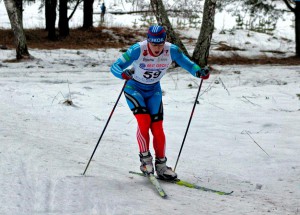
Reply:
x=146, y=163
x=163, y=171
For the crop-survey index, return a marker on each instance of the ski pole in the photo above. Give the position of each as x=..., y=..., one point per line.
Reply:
x=189, y=122
x=111, y=113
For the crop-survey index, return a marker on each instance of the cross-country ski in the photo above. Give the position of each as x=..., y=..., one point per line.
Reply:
x=188, y=184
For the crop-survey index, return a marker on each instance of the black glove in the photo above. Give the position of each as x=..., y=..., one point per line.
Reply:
x=127, y=74
x=203, y=73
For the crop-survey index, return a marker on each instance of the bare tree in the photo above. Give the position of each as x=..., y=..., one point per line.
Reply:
x=78, y=2
x=15, y=18
x=88, y=14
x=63, y=22
x=296, y=11
x=163, y=19
x=201, y=50
x=268, y=8
x=50, y=15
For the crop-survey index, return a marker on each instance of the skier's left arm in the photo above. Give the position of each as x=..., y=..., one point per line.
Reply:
x=183, y=61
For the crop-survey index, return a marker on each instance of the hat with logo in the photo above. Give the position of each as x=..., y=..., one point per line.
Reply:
x=156, y=34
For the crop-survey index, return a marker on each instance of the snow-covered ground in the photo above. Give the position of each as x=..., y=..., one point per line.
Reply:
x=45, y=144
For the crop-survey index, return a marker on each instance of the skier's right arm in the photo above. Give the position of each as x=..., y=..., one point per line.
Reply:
x=125, y=60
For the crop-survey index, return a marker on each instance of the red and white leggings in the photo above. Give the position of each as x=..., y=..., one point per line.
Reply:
x=159, y=141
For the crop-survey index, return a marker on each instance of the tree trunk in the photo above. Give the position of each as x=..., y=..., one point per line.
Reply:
x=19, y=4
x=47, y=14
x=201, y=51
x=297, y=28
x=16, y=24
x=50, y=14
x=88, y=14
x=63, y=23
x=163, y=19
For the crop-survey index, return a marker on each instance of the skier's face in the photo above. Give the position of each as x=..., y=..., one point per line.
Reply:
x=156, y=49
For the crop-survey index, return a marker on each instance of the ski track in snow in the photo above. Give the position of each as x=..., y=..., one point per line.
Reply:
x=45, y=145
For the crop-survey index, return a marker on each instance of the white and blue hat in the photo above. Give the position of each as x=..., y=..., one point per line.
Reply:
x=156, y=34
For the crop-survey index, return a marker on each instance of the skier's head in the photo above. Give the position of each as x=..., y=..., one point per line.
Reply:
x=156, y=34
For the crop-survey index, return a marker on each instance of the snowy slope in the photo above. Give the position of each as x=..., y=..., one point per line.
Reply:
x=45, y=145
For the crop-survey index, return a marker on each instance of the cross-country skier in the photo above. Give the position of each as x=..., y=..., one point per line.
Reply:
x=150, y=60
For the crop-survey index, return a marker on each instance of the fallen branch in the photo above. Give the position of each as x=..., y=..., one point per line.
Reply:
x=250, y=101
x=144, y=11
x=247, y=132
x=224, y=86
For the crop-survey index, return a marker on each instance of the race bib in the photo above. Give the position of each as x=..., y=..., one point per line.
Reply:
x=149, y=69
